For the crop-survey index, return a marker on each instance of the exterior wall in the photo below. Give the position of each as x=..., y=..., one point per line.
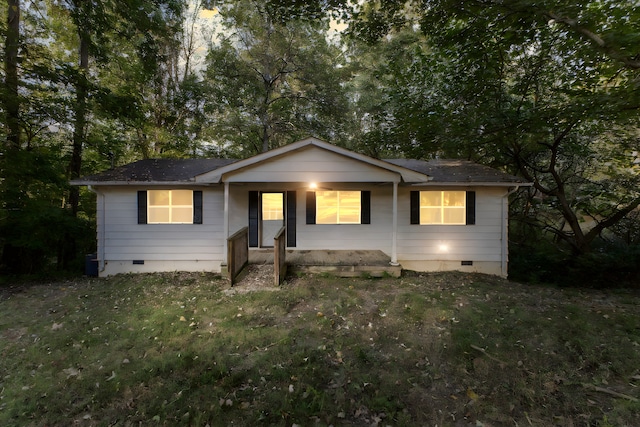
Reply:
x=444, y=247
x=200, y=247
x=162, y=247
x=312, y=164
x=485, y=267
x=376, y=235
x=419, y=247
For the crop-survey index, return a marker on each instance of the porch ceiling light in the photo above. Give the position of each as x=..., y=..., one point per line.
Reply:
x=313, y=185
x=443, y=247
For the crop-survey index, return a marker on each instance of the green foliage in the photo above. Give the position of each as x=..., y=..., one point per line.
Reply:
x=609, y=266
x=546, y=91
x=71, y=113
x=35, y=228
x=272, y=82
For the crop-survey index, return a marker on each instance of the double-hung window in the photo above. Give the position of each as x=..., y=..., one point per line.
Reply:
x=443, y=207
x=170, y=207
x=338, y=207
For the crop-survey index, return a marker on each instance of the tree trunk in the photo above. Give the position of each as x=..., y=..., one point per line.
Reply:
x=69, y=245
x=11, y=99
x=75, y=165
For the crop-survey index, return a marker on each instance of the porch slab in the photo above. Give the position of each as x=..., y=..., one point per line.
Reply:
x=342, y=263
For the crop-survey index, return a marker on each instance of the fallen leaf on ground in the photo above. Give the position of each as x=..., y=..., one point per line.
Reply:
x=71, y=372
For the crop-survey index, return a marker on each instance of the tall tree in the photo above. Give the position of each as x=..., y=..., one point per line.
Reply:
x=547, y=90
x=73, y=109
x=82, y=12
x=11, y=96
x=96, y=21
x=273, y=80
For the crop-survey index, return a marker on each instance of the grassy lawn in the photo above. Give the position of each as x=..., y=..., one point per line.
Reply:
x=447, y=349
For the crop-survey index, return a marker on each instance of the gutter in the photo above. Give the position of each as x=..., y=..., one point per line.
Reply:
x=138, y=183
x=100, y=213
x=472, y=184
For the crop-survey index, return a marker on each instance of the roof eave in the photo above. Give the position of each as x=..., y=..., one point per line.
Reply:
x=473, y=184
x=136, y=183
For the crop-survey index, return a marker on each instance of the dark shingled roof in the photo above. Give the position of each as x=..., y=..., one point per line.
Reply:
x=185, y=170
x=159, y=170
x=452, y=171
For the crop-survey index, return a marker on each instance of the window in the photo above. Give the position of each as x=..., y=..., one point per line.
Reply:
x=170, y=207
x=443, y=207
x=338, y=207
x=272, y=206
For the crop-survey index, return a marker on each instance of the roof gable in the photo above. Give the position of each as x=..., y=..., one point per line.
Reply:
x=311, y=160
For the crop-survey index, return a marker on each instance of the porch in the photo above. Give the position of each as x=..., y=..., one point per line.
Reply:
x=342, y=263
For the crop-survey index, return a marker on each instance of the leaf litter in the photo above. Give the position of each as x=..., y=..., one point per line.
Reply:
x=446, y=349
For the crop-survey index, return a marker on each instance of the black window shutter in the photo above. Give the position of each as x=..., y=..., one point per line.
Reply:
x=311, y=207
x=471, y=207
x=142, y=207
x=254, y=198
x=365, y=207
x=415, y=207
x=197, y=207
x=291, y=219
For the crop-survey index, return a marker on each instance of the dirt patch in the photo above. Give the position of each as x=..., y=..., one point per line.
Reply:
x=254, y=277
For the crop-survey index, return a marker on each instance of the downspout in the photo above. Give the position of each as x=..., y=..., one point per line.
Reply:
x=100, y=224
x=225, y=232
x=505, y=232
x=394, y=225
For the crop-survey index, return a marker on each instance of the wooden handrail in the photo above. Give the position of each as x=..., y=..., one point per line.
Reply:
x=280, y=256
x=237, y=252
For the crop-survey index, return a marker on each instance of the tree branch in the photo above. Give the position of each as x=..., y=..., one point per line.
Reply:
x=612, y=220
x=595, y=39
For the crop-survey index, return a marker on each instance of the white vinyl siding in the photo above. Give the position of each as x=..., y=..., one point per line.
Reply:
x=481, y=242
x=196, y=247
x=312, y=165
x=328, y=236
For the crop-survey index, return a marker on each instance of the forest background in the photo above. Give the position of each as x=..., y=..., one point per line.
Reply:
x=547, y=90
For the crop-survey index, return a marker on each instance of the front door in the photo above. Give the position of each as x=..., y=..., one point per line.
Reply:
x=271, y=217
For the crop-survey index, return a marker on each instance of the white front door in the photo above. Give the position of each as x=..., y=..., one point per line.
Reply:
x=271, y=217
